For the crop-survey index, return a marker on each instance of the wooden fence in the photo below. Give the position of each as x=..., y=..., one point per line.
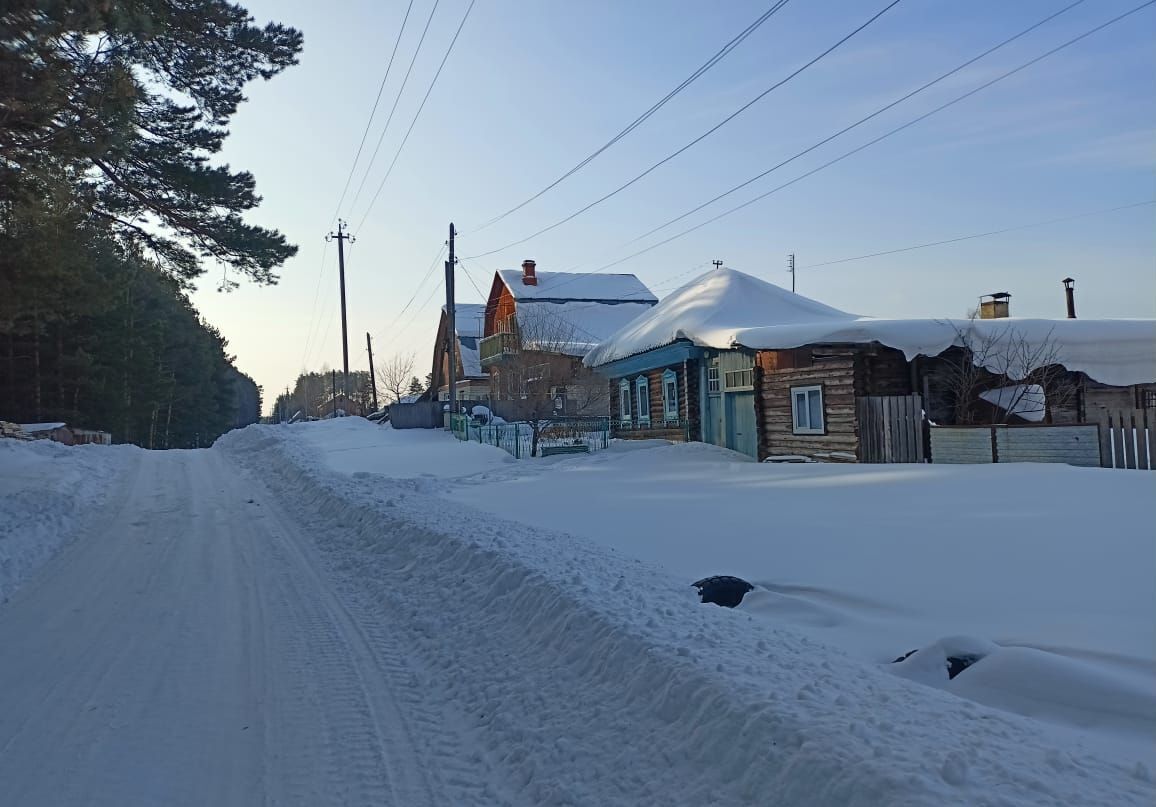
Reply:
x=890, y=428
x=1071, y=444
x=1128, y=439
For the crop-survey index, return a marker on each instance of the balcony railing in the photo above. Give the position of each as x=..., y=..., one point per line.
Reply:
x=494, y=348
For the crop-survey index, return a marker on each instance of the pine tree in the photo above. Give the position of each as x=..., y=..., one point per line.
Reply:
x=415, y=387
x=129, y=99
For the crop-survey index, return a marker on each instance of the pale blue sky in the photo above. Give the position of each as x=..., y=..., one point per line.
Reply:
x=532, y=87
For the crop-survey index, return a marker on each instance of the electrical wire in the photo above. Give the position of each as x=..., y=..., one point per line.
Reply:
x=416, y=291
x=417, y=114
x=698, y=139
x=706, y=66
x=393, y=109
x=372, y=112
x=981, y=235
x=861, y=121
x=869, y=143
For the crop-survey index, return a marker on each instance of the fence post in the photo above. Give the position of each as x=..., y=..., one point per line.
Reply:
x=517, y=442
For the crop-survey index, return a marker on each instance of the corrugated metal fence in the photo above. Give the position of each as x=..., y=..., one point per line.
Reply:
x=1071, y=444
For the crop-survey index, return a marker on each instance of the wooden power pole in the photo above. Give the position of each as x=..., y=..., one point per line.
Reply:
x=451, y=331
x=372, y=377
x=341, y=237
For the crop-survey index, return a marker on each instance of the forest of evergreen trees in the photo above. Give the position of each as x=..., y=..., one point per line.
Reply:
x=110, y=208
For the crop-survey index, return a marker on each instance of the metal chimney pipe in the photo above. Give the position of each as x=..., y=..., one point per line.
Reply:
x=1070, y=293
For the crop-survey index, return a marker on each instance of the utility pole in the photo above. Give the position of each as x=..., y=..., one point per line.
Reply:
x=333, y=390
x=341, y=237
x=451, y=330
x=791, y=269
x=288, y=399
x=372, y=378
x=717, y=264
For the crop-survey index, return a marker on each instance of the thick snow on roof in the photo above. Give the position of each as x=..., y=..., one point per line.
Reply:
x=1029, y=401
x=471, y=359
x=469, y=319
x=574, y=327
x=709, y=310
x=40, y=427
x=576, y=286
x=725, y=308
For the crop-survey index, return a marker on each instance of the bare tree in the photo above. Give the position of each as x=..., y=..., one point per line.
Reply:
x=393, y=375
x=545, y=379
x=1017, y=375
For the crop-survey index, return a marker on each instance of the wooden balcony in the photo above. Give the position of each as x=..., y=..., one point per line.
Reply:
x=493, y=349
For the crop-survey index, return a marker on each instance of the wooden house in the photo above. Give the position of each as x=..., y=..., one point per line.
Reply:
x=471, y=382
x=749, y=366
x=538, y=325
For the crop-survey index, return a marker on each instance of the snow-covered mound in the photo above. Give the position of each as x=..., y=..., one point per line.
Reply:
x=601, y=678
x=881, y=560
x=48, y=495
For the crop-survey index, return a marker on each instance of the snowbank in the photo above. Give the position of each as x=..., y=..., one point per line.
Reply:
x=354, y=445
x=48, y=492
x=880, y=560
x=602, y=680
x=725, y=308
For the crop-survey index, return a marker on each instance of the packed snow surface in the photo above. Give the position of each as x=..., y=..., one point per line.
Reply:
x=726, y=308
x=270, y=622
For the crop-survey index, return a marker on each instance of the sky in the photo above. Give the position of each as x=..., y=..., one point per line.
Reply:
x=531, y=87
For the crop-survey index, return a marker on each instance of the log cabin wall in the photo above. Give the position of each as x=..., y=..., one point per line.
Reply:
x=689, y=378
x=884, y=371
x=836, y=369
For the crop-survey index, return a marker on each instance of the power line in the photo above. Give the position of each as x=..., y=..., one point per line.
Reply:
x=698, y=139
x=869, y=143
x=373, y=111
x=706, y=66
x=417, y=114
x=393, y=109
x=425, y=279
x=861, y=121
x=344, y=190
x=313, y=310
x=982, y=235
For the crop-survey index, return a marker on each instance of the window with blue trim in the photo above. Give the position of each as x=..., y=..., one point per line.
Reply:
x=624, y=401
x=670, y=395
x=642, y=391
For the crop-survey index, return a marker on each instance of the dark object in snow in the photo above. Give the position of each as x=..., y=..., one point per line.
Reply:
x=955, y=664
x=723, y=590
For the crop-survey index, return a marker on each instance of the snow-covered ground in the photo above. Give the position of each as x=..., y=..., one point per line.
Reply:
x=47, y=492
x=320, y=614
x=1047, y=569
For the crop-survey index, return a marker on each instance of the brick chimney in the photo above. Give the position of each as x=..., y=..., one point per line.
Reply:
x=528, y=276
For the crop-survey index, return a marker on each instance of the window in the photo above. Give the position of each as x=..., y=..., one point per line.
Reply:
x=807, y=410
x=670, y=395
x=642, y=390
x=712, y=377
x=740, y=379
x=624, y=400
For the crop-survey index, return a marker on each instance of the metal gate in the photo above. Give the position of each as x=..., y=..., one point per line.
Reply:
x=891, y=428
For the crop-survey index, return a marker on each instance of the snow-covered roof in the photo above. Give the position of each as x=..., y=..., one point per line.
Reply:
x=469, y=319
x=577, y=286
x=1029, y=401
x=726, y=308
x=41, y=427
x=574, y=327
x=471, y=359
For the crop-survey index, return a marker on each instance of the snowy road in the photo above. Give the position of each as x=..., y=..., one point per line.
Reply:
x=188, y=652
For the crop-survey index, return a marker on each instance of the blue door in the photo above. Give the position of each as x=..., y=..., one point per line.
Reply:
x=740, y=421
